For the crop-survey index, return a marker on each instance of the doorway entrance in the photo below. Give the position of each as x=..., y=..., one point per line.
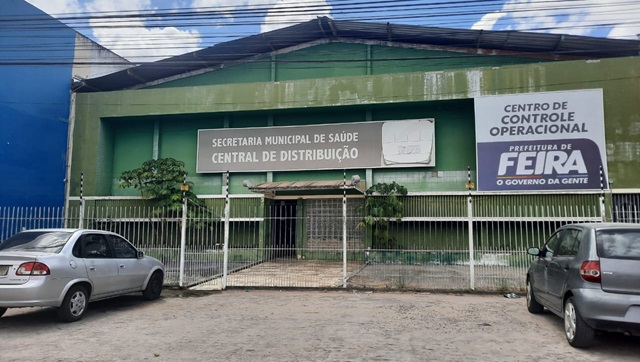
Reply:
x=283, y=228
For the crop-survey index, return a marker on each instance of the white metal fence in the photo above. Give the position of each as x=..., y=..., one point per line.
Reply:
x=454, y=241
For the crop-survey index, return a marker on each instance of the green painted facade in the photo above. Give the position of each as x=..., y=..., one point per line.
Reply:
x=117, y=131
x=342, y=60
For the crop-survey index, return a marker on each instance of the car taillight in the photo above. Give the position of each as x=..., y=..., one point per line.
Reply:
x=33, y=268
x=590, y=271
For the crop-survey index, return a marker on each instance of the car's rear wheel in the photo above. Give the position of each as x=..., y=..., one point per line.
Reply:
x=74, y=304
x=2, y=311
x=532, y=304
x=154, y=286
x=578, y=333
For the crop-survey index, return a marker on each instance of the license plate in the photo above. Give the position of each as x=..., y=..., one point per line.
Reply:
x=4, y=269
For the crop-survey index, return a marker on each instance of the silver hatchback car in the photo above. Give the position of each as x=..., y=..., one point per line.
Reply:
x=588, y=274
x=68, y=268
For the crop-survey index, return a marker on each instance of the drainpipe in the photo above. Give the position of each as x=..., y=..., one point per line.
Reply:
x=67, y=175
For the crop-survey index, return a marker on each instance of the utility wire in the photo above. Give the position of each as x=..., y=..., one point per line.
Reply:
x=170, y=18
x=386, y=10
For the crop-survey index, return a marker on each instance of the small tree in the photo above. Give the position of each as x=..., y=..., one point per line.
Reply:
x=381, y=208
x=160, y=180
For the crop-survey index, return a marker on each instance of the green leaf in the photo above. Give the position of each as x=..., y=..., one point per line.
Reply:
x=382, y=207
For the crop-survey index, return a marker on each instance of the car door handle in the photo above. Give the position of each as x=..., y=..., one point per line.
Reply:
x=121, y=266
x=92, y=268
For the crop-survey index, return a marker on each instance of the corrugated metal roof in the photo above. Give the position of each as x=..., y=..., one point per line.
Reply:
x=513, y=42
x=303, y=186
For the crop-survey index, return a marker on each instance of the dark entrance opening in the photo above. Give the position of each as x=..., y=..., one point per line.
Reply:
x=283, y=228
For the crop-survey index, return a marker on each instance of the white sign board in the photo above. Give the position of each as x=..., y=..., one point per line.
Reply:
x=541, y=141
x=402, y=143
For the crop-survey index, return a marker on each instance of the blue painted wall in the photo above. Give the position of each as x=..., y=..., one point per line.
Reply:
x=34, y=105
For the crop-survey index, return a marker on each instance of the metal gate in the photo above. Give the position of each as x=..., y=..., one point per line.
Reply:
x=303, y=245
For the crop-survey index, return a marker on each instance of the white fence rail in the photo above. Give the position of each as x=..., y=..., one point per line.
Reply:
x=15, y=219
x=443, y=242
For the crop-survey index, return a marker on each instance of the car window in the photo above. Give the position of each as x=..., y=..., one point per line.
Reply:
x=77, y=249
x=578, y=240
x=618, y=244
x=37, y=241
x=569, y=242
x=551, y=247
x=95, y=246
x=121, y=247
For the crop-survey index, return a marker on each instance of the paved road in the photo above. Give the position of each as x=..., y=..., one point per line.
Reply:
x=301, y=325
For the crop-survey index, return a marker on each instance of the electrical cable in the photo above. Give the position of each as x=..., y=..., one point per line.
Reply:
x=169, y=48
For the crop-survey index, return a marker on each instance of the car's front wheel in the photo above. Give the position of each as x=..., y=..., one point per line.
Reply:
x=532, y=304
x=2, y=311
x=578, y=333
x=74, y=304
x=154, y=286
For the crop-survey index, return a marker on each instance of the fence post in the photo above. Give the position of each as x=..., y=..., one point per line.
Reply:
x=603, y=212
x=344, y=229
x=225, y=249
x=183, y=232
x=81, y=216
x=470, y=223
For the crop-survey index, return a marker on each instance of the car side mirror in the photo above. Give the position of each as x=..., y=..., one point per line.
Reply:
x=140, y=254
x=533, y=251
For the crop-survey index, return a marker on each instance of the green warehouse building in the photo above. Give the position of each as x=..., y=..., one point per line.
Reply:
x=498, y=137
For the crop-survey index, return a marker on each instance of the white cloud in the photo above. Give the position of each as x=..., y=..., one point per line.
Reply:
x=135, y=41
x=282, y=15
x=488, y=21
x=132, y=39
x=215, y=4
x=613, y=18
x=147, y=44
x=279, y=14
x=629, y=18
x=57, y=7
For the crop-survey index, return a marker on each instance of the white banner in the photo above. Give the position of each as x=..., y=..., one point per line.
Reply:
x=541, y=141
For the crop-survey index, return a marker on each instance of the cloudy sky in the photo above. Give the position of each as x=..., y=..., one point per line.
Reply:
x=146, y=30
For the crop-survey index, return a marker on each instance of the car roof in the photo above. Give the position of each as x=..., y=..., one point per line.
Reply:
x=607, y=225
x=72, y=230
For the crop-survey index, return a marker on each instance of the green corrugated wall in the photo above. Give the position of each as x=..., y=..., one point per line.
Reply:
x=114, y=131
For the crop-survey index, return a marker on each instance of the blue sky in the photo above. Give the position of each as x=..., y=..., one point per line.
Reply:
x=172, y=27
